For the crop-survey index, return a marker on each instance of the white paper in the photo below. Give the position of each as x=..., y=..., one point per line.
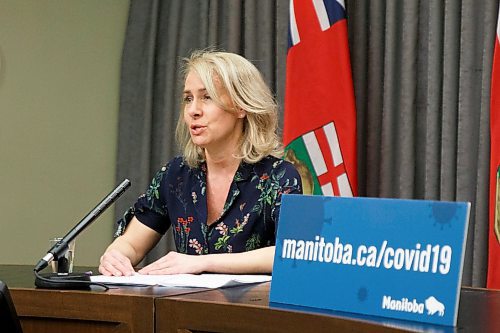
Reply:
x=183, y=280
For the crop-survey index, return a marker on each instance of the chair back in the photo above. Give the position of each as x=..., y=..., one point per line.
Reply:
x=9, y=322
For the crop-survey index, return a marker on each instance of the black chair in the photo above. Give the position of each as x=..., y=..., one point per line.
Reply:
x=9, y=322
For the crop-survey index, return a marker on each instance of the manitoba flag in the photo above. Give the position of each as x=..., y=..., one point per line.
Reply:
x=320, y=116
x=494, y=230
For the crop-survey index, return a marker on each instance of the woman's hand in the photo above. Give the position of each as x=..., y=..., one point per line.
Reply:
x=113, y=262
x=128, y=250
x=256, y=261
x=175, y=263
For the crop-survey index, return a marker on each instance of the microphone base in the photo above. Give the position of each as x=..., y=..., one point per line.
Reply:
x=62, y=281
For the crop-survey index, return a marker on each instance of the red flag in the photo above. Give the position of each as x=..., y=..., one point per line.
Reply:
x=494, y=232
x=320, y=115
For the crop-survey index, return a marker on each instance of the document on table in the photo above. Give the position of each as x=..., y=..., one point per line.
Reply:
x=183, y=280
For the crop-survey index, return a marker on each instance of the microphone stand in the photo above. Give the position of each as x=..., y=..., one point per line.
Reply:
x=74, y=280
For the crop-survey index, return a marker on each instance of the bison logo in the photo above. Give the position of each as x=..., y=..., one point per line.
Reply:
x=433, y=305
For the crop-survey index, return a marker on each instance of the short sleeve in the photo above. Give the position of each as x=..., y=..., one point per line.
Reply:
x=151, y=207
x=289, y=183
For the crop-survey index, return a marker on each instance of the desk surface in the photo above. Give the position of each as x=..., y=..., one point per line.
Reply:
x=19, y=277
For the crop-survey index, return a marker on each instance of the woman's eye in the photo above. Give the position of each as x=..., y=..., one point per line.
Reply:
x=188, y=99
x=207, y=97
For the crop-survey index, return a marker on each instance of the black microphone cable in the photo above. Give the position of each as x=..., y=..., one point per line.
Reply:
x=66, y=281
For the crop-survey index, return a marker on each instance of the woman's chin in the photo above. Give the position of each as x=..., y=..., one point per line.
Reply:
x=199, y=143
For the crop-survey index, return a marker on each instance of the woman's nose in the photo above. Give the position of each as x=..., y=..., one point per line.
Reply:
x=194, y=109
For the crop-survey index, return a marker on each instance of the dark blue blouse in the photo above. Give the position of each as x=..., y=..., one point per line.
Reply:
x=177, y=197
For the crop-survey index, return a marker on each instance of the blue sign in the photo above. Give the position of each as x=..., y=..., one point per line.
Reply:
x=385, y=257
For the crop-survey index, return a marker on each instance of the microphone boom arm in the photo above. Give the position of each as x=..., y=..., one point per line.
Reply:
x=61, y=247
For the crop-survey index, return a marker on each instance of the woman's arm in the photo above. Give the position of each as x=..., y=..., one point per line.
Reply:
x=128, y=250
x=255, y=261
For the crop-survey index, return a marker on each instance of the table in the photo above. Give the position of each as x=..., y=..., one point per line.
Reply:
x=129, y=309
x=247, y=309
x=238, y=309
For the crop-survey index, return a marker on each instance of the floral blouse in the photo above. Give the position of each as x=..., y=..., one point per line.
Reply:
x=177, y=197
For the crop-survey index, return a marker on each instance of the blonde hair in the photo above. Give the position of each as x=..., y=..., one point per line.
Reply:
x=247, y=91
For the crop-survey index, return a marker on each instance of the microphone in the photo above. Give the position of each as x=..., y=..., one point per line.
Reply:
x=59, y=249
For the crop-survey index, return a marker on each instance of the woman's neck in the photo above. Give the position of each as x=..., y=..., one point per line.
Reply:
x=226, y=163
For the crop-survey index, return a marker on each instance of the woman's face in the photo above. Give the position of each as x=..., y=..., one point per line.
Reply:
x=210, y=126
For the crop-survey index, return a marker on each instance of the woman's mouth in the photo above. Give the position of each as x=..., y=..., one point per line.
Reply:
x=197, y=129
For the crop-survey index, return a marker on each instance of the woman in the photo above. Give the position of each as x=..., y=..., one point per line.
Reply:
x=222, y=197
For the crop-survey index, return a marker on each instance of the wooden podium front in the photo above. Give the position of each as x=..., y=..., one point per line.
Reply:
x=238, y=309
x=63, y=311
x=246, y=309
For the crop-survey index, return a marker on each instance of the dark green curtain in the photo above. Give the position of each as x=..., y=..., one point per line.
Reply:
x=421, y=72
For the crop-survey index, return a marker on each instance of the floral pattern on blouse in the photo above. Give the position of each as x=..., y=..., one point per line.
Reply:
x=176, y=198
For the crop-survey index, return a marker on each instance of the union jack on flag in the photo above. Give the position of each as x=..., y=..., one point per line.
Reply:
x=320, y=115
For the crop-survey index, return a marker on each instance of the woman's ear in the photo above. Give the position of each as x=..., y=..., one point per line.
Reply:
x=241, y=113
